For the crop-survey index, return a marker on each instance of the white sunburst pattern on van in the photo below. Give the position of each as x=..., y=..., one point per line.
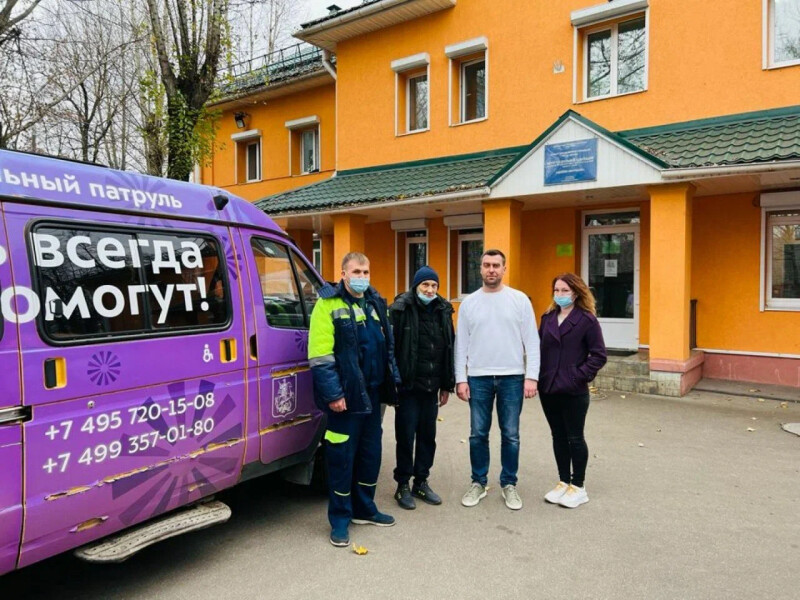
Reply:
x=172, y=481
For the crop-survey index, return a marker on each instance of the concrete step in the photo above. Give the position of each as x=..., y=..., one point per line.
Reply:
x=636, y=365
x=640, y=385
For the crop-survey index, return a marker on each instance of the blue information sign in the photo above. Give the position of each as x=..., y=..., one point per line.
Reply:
x=570, y=162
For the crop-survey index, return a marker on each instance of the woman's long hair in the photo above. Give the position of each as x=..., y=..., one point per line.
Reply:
x=583, y=295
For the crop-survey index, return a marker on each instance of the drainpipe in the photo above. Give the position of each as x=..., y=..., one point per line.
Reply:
x=326, y=62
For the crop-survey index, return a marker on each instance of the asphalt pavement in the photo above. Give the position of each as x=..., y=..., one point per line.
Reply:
x=696, y=497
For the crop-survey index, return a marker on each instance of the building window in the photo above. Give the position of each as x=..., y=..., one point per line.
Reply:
x=304, y=146
x=784, y=32
x=318, y=255
x=615, y=59
x=469, y=77
x=470, y=249
x=247, y=155
x=412, y=75
x=783, y=259
x=417, y=109
x=473, y=90
x=416, y=253
x=253, y=161
x=310, y=150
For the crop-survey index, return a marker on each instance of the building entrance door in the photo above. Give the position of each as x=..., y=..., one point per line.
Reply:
x=610, y=266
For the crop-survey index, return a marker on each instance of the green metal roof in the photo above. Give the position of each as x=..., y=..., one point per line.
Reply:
x=394, y=182
x=747, y=138
x=275, y=67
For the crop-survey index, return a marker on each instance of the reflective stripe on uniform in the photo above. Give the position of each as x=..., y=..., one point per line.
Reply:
x=336, y=438
x=360, y=316
x=340, y=313
x=340, y=493
x=368, y=484
x=321, y=360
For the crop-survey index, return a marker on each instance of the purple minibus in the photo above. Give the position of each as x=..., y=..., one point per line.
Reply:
x=153, y=351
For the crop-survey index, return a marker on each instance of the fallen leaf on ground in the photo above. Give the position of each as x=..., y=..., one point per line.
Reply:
x=761, y=400
x=658, y=430
x=360, y=550
x=784, y=405
x=463, y=441
x=622, y=395
x=440, y=419
x=750, y=429
x=755, y=390
x=641, y=445
x=754, y=418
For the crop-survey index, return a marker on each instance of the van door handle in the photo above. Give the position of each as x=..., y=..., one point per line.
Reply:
x=253, y=347
x=227, y=350
x=55, y=373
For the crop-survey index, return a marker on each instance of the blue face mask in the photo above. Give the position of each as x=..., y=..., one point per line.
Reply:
x=563, y=301
x=359, y=284
x=424, y=299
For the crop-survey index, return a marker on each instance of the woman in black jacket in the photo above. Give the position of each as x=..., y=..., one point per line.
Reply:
x=572, y=352
x=422, y=322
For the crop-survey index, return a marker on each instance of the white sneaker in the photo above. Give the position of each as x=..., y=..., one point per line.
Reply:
x=511, y=496
x=475, y=494
x=574, y=497
x=554, y=495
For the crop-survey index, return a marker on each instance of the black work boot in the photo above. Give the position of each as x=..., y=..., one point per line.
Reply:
x=403, y=497
x=424, y=492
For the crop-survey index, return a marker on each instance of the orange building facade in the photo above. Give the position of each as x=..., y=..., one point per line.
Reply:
x=635, y=142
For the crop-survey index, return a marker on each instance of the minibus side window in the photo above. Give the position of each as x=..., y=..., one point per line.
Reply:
x=71, y=279
x=309, y=285
x=101, y=282
x=200, y=268
x=282, y=302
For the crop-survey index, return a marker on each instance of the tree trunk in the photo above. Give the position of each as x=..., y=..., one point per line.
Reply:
x=182, y=121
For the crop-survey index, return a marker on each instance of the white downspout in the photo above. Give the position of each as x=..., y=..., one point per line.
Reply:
x=326, y=62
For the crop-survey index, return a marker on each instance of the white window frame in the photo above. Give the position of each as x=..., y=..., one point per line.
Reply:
x=463, y=89
x=316, y=257
x=594, y=19
x=614, y=28
x=247, y=146
x=415, y=240
x=408, y=102
x=466, y=237
x=768, y=39
x=402, y=67
x=316, y=161
x=456, y=53
x=767, y=221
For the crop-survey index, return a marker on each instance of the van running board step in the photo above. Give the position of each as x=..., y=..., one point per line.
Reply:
x=118, y=548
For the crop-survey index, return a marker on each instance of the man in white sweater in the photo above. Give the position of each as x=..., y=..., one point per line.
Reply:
x=496, y=355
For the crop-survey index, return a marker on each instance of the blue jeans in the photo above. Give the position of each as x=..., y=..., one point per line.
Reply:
x=509, y=390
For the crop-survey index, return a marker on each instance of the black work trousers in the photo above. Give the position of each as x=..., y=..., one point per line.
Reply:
x=415, y=417
x=566, y=415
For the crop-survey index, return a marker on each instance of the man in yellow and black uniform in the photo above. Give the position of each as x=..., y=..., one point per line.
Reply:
x=351, y=352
